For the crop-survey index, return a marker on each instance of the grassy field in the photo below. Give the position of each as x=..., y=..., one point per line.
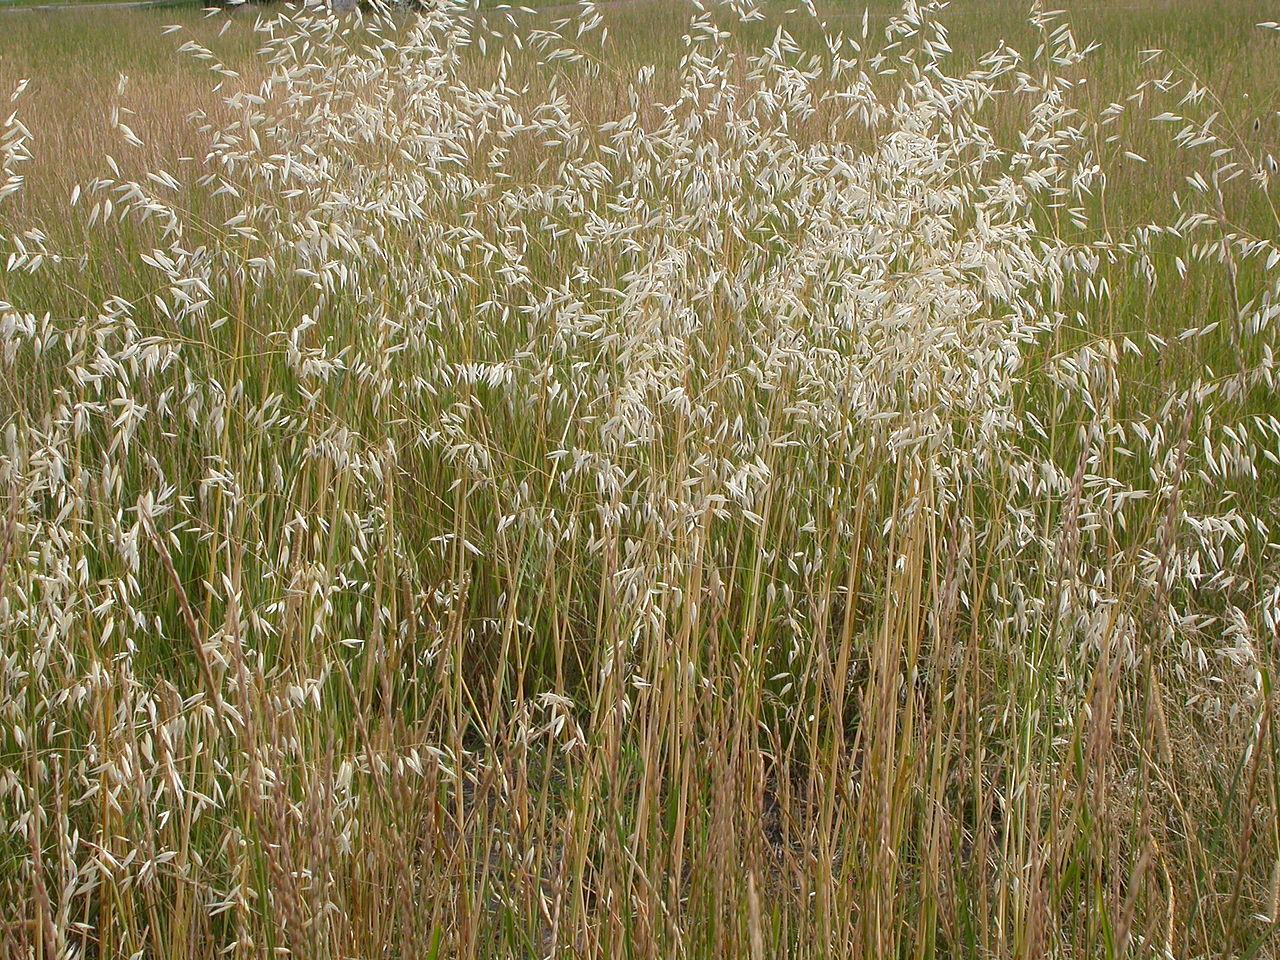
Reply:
x=671, y=483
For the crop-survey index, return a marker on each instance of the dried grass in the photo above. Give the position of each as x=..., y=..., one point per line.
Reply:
x=495, y=498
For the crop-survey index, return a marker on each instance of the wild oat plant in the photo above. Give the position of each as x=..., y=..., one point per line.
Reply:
x=505, y=499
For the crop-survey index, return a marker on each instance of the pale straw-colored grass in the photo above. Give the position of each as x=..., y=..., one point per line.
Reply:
x=497, y=498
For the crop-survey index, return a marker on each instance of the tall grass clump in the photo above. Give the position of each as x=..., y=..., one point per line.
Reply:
x=504, y=498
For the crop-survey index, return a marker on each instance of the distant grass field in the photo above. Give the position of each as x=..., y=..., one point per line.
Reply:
x=1218, y=42
x=37, y=6
x=710, y=495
